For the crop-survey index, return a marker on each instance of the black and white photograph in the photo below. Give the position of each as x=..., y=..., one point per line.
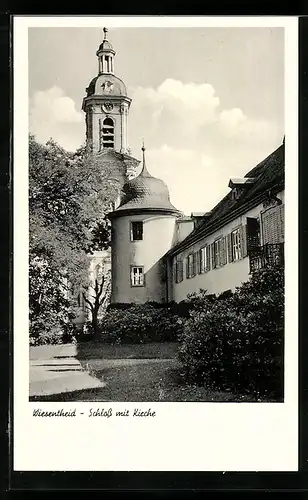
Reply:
x=156, y=216
x=156, y=204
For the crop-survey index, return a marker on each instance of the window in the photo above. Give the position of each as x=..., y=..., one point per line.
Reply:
x=136, y=230
x=219, y=254
x=137, y=276
x=204, y=256
x=178, y=270
x=236, y=244
x=107, y=133
x=191, y=265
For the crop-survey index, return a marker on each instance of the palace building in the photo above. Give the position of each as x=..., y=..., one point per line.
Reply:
x=157, y=253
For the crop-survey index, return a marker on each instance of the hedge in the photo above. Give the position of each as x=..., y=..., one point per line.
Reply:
x=237, y=342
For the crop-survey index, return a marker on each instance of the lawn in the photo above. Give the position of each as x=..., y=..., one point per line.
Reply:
x=153, y=350
x=137, y=373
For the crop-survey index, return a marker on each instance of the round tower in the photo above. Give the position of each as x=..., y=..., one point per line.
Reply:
x=106, y=104
x=143, y=228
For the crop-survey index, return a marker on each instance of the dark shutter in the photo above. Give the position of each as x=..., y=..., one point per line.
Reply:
x=175, y=271
x=225, y=250
x=208, y=258
x=230, y=252
x=281, y=223
x=181, y=270
x=198, y=260
x=187, y=267
x=194, y=263
x=243, y=236
x=213, y=255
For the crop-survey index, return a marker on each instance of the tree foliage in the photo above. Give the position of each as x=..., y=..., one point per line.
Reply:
x=69, y=197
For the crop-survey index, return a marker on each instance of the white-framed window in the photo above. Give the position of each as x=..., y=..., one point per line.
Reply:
x=236, y=244
x=178, y=270
x=137, y=275
x=190, y=263
x=217, y=252
x=136, y=230
x=203, y=259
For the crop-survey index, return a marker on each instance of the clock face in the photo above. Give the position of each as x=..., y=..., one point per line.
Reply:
x=107, y=107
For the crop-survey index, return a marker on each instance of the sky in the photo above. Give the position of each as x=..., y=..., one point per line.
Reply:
x=208, y=102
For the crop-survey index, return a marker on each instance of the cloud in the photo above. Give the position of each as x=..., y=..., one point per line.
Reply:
x=178, y=113
x=235, y=123
x=195, y=144
x=190, y=176
x=53, y=114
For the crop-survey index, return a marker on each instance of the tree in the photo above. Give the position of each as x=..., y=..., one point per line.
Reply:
x=96, y=297
x=69, y=197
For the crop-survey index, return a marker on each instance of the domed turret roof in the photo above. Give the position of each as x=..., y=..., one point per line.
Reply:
x=106, y=46
x=145, y=192
x=107, y=84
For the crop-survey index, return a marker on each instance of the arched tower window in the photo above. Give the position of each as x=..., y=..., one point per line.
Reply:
x=107, y=133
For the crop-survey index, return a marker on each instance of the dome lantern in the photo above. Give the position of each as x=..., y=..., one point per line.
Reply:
x=105, y=56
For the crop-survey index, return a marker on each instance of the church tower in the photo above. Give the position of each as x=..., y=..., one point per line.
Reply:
x=106, y=105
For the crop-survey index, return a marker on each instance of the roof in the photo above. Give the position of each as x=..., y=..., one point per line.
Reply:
x=116, y=86
x=145, y=192
x=268, y=174
x=240, y=181
x=106, y=47
x=120, y=163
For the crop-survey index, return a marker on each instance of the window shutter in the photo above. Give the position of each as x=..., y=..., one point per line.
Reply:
x=271, y=227
x=281, y=223
x=187, y=267
x=230, y=252
x=221, y=251
x=194, y=263
x=208, y=257
x=181, y=270
x=225, y=243
x=243, y=233
x=198, y=259
x=175, y=271
x=213, y=255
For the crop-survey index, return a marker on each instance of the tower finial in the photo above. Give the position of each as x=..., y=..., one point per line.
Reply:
x=144, y=168
x=105, y=30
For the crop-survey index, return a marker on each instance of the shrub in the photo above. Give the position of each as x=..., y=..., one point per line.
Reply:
x=139, y=323
x=237, y=342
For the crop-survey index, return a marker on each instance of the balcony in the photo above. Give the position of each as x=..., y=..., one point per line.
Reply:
x=267, y=255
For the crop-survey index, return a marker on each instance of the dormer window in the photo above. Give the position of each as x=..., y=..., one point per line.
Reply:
x=239, y=185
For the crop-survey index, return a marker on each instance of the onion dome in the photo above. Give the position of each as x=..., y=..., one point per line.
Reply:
x=145, y=192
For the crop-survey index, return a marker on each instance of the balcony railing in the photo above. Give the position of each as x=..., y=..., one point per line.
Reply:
x=267, y=255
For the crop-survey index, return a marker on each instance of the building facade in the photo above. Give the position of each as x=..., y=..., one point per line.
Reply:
x=157, y=253
x=216, y=251
x=242, y=233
